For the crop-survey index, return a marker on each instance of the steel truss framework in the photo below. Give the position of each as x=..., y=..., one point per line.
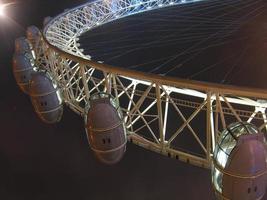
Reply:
x=177, y=118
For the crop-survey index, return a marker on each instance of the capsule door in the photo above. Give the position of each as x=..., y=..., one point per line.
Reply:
x=242, y=190
x=258, y=188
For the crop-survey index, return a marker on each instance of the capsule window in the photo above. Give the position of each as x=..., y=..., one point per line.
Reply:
x=104, y=141
x=23, y=78
x=109, y=141
x=255, y=189
x=249, y=190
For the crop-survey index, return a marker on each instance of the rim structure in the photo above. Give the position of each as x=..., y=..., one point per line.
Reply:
x=148, y=101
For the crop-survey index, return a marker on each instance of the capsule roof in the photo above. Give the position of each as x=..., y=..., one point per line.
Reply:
x=47, y=20
x=104, y=97
x=229, y=139
x=22, y=45
x=33, y=33
x=249, y=156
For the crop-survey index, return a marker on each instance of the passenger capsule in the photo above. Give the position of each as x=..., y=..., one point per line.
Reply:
x=46, y=99
x=23, y=67
x=105, y=129
x=33, y=34
x=239, y=166
x=47, y=20
x=22, y=46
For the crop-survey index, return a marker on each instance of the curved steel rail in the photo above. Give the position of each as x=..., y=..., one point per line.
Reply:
x=159, y=111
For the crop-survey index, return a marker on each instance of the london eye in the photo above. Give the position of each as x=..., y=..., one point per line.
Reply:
x=171, y=76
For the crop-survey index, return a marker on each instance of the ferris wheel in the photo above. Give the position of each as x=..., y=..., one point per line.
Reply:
x=149, y=110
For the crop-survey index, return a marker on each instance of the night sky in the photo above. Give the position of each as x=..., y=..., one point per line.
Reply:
x=47, y=162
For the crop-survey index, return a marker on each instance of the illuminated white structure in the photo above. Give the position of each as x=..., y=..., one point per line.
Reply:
x=149, y=102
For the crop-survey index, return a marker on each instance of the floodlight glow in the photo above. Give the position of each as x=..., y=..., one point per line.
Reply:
x=2, y=10
x=3, y=7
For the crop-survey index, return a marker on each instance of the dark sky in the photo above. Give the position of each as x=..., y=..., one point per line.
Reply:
x=52, y=162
